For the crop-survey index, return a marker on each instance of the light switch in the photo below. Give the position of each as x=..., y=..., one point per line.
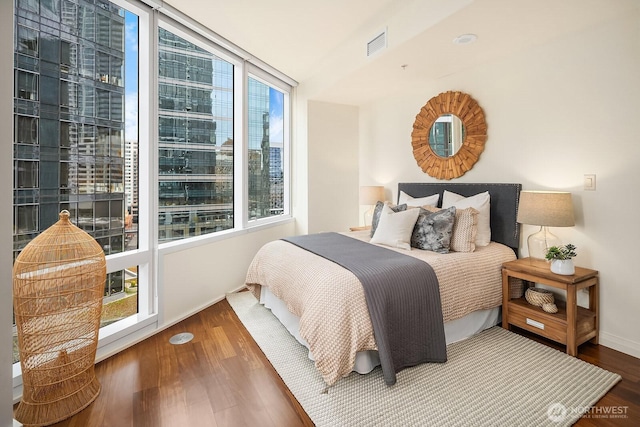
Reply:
x=590, y=182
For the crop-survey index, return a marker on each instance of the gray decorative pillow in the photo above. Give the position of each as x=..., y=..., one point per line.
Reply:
x=463, y=236
x=433, y=230
x=378, y=210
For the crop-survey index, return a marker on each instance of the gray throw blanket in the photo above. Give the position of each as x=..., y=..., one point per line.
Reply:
x=402, y=295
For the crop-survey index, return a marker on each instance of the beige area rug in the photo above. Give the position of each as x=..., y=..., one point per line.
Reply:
x=496, y=378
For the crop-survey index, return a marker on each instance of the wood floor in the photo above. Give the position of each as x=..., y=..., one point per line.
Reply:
x=221, y=378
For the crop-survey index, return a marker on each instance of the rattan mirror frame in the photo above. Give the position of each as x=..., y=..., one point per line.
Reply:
x=472, y=116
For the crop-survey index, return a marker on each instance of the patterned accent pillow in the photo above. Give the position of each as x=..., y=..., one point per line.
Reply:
x=432, y=231
x=464, y=231
x=378, y=210
x=481, y=202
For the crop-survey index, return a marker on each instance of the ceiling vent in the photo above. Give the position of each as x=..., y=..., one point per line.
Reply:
x=378, y=43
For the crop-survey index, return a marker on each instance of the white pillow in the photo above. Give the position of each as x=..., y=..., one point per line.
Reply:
x=418, y=201
x=480, y=202
x=395, y=228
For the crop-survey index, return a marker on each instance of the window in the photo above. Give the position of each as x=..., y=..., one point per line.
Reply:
x=102, y=103
x=27, y=41
x=26, y=174
x=69, y=145
x=103, y=24
x=29, y=5
x=27, y=85
x=195, y=148
x=87, y=61
x=67, y=54
x=50, y=9
x=26, y=219
x=82, y=144
x=26, y=130
x=266, y=150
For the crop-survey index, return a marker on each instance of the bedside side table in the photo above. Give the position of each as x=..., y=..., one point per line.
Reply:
x=360, y=228
x=571, y=325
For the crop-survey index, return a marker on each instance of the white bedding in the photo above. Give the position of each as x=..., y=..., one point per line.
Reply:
x=366, y=361
x=329, y=300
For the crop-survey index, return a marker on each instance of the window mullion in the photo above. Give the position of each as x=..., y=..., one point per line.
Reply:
x=241, y=174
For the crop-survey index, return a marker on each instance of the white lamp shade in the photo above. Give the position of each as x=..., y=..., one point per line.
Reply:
x=548, y=208
x=370, y=194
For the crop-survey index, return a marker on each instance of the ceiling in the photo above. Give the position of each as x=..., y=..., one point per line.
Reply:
x=322, y=44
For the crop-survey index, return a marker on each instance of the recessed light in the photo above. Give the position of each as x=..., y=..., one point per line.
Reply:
x=465, y=39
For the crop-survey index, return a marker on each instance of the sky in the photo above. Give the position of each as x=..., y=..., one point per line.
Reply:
x=131, y=76
x=276, y=121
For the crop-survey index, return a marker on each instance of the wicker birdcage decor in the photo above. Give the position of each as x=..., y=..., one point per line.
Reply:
x=58, y=282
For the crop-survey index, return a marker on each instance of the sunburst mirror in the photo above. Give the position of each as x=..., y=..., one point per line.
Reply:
x=448, y=135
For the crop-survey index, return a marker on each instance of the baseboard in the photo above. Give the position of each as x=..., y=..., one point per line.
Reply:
x=623, y=345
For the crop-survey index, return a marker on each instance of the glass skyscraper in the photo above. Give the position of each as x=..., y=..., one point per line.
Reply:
x=70, y=151
x=195, y=159
x=69, y=130
x=69, y=119
x=276, y=179
x=266, y=177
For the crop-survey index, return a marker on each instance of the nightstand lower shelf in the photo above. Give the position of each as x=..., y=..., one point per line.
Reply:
x=552, y=325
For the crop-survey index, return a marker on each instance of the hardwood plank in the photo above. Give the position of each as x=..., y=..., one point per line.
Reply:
x=223, y=346
x=146, y=403
x=222, y=378
x=201, y=414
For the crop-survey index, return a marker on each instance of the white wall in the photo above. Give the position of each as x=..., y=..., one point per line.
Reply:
x=555, y=112
x=6, y=211
x=333, y=166
x=300, y=162
x=195, y=278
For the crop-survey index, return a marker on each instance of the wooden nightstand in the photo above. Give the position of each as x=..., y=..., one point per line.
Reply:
x=571, y=325
x=360, y=228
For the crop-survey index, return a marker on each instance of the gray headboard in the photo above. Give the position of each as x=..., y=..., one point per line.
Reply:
x=504, y=204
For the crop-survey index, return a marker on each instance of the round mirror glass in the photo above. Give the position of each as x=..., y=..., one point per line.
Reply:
x=446, y=135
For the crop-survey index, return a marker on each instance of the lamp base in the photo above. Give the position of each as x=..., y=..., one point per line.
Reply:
x=368, y=216
x=539, y=242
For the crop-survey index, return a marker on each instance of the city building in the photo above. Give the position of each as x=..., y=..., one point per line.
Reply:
x=69, y=121
x=195, y=145
x=131, y=193
x=266, y=179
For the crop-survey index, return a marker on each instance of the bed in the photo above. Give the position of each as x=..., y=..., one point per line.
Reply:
x=323, y=305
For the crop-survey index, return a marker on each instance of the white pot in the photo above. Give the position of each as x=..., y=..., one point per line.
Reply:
x=563, y=266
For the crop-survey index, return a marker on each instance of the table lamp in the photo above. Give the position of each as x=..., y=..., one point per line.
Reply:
x=369, y=196
x=546, y=209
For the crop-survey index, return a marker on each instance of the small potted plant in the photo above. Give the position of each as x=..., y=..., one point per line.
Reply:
x=561, y=259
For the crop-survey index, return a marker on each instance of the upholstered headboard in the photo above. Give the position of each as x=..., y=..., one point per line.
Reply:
x=504, y=204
